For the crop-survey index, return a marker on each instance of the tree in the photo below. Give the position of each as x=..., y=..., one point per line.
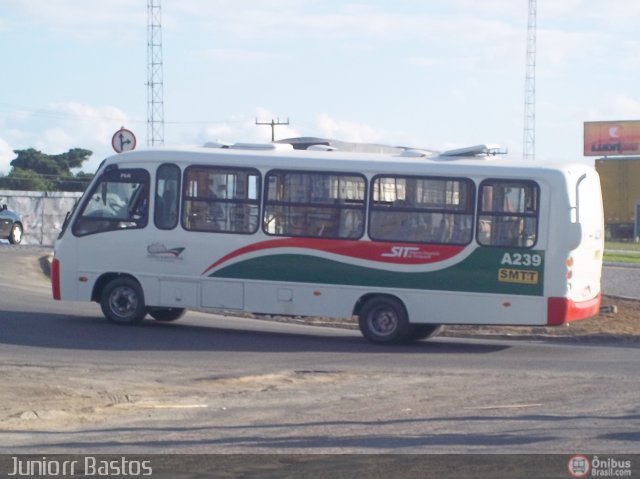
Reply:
x=34, y=170
x=25, y=180
x=43, y=164
x=79, y=182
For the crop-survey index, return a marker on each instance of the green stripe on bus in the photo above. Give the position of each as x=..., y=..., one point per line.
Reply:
x=481, y=272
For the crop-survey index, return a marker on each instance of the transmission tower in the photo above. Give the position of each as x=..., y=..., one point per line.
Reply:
x=529, y=147
x=155, y=103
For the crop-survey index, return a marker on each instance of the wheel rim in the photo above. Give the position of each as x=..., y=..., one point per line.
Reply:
x=384, y=321
x=16, y=234
x=123, y=302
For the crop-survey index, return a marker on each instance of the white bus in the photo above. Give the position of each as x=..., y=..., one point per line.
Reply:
x=404, y=242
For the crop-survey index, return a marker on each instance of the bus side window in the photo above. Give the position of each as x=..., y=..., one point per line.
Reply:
x=508, y=213
x=221, y=199
x=167, y=199
x=314, y=204
x=422, y=209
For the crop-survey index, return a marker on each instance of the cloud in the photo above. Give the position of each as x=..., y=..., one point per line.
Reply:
x=77, y=125
x=630, y=56
x=437, y=63
x=243, y=128
x=617, y=14
x=557, y=49
x=349, y=23
x=236, y=55
x=6, y=156
x=86, y=20
x=95, y=124
x=616, y=107
x=345, y=130
x=54, y=140
x=85, y=126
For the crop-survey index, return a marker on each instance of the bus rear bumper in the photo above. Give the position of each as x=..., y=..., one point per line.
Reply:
x=55, y=279
x=565, y=310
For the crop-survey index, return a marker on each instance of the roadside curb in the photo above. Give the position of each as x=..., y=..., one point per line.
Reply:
x=577, y=339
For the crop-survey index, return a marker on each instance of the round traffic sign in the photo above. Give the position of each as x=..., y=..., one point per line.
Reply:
x=123, y=140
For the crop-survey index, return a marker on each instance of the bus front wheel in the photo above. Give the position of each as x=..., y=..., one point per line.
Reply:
x=122, y=301
x=384, y=320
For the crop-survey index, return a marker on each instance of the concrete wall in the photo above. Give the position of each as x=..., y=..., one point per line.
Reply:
x=42, y=212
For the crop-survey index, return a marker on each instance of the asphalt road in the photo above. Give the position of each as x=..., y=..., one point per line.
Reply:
x=621, y=280
x=71, y=382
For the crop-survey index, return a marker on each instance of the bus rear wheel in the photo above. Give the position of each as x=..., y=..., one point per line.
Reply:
x=166, y=314
x=122, y=301
x=384, y=320
x=423, y=331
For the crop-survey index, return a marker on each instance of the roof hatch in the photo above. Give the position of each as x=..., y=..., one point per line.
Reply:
x=489, y=149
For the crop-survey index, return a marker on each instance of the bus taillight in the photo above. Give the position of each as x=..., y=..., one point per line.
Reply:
x=569, y=265
x=55, y=278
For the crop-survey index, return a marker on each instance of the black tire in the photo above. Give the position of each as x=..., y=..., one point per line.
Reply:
x=15, y=236
x=122, y=301
x=423, y=331
x=166, y=314
x=384, y=320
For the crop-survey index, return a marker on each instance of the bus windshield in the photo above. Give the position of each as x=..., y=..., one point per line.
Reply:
x=118, y=200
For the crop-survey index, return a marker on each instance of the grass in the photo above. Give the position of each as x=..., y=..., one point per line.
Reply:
x=621, y=258
x=622, y=245
x=622, y=252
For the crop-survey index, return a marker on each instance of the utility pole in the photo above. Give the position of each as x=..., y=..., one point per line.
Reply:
x=529, y=147
x=155, y=103
x=273, y=124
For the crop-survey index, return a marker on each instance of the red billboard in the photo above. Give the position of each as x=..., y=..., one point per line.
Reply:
x=611, y=138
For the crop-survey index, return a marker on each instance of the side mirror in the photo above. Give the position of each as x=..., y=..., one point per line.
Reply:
x=574, y=235
x=4, y=207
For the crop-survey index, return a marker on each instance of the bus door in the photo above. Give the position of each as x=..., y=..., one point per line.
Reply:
x=109, y=226
x=585, y=261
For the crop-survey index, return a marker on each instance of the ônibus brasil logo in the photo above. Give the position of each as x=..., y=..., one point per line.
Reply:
x=579, y=466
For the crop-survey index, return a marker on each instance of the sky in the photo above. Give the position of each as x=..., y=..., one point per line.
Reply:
x=436, y=74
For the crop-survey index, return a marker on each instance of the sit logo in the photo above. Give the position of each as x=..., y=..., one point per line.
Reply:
x=401, y=252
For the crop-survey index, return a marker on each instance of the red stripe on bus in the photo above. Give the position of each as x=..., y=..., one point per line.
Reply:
x=404, y=253
x=564, y=310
